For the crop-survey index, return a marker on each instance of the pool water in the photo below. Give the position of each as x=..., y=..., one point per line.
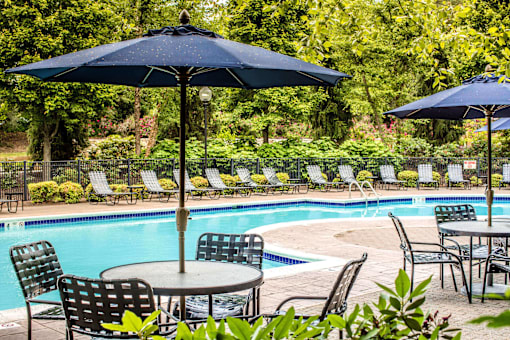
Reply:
x=87, y=248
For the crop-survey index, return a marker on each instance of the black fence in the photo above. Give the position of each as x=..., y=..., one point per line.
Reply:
x=15, y=176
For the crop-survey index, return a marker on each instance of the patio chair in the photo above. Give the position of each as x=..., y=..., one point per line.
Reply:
x=315, y=174
x=193, y=191
x=9, y=204
x=346, y=174
x=88, y=303
x=495, y=264
x=150, y=180
x=214, y=178
x=102, y=189
x=388, y=177
x=246, y=249
x=506, y=176
x=425, y=176
x=262, y=189
x=37, y=269
x=272, y=179
x=455, y=176
x=427, y=256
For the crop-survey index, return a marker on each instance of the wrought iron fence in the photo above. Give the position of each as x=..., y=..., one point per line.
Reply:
x=15, y=176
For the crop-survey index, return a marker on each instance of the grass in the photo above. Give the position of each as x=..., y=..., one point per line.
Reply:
x=13, y=156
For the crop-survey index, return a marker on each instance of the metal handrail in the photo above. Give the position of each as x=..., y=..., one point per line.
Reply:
x=360, y=187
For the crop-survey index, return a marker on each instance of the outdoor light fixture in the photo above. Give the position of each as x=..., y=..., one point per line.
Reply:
x=205, y=95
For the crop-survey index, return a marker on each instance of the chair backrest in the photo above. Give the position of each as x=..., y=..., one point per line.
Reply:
x=88, y=303
x=37, y=267
x=387, y=173
x=346, y=173
x=245, y=249
x=214, y=178
x=99, y=183
x=187, y=181
x=506, y=172
x=455, y=172
x=271, y=177
x=337, y=299
x=314, y=171
x=244, y=175
x=150, y=180
x=452, y=213
x=425, y=172
x=405, y=244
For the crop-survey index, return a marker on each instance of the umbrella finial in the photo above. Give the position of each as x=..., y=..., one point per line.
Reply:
x=184, y=17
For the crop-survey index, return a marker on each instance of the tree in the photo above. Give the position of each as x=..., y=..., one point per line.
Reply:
x=32, y=31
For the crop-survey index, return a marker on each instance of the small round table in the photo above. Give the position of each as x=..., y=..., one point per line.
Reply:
x=200, y=278
x=478, y=229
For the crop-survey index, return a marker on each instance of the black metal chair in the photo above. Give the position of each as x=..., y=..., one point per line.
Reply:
x=495, y=264
x=37, y=268
x=88, y=303
x=150, y=180
x=455, y=176
x=246, y=249
x=336, y=301
x=427, y=256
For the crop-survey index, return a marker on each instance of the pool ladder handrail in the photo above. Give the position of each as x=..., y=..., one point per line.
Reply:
x=363, y=194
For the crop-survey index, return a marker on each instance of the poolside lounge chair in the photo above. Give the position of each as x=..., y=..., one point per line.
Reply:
x=214, y=178
x=455, y=176
x=150, y=180
x=88, y=303
x=315, y=174
x=388, y=177
x=346, y=174
x=37, y=268
x=262, y=189
x=425, y=176
x=246, y=249
x=196, y=193
x=426, y=255
x=272, y=179
x=506, y=175
x=102, y=189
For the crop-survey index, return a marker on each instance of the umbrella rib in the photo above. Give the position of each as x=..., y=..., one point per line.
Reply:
x=204, y=70
x=412, y=113
x=165, y=71
x=502, y=107
x=310, y=76
x=64, y=72
x=235, y=77
x=147, y=75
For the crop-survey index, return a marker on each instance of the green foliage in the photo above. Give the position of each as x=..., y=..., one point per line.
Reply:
x=113, y=147
x=498, y=321
x=167, y=184
x=89, y=191
x=366, y=148
x=65, y=175
x=408, y=146
x=230, y=181
x=362, y=176
x=496, y=179
x=199, y=182
x=409, y=176
x=259, y=179
x=131, y=323
x=71, y=192
x=283, y=177
x=44, y=192
x=475, y=180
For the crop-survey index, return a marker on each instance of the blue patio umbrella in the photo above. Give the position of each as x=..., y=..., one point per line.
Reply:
x=498, y=125
x=485, y=95
x=181, y=56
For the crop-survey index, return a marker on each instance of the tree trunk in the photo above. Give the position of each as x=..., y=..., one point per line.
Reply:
x=137, y=120
x=46, y=156
x=152, y=136
x=265, y=135
x=375, y=112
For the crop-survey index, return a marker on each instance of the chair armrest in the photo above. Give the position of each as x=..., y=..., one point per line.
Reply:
x=47, y=302
x=300, y=298
x=431, y=244
x=453, y=241
x=459, y=258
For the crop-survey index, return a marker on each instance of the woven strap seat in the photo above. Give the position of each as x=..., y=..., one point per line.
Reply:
x=346, y=174
x=193, y=190
x=214, y=178
x=425, y=176
x=506, y=175
x=102, y=188
x=388, y=176
x=315, y=174
x=273, y=179
x=150, y=180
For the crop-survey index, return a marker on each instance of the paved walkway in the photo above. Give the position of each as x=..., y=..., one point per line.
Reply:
x=346, y=239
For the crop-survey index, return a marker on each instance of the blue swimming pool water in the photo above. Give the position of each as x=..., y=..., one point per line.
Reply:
x=87, y=248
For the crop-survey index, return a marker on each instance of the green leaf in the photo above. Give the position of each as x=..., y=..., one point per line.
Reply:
x=416, y=304
x=336, y=321
x=239, y=329
x=501, y=320
x=387, y=289
x=421, y=288
x=150, y=318
x=283, y=327
x=183, y=332
x=131, y=321
x=211, y=328
x=158, y=337
x=402, y=283
x=413, y=324
x=115, y=327
x=395, y=303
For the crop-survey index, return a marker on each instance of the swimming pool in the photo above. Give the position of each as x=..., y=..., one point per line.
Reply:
x=86, y=247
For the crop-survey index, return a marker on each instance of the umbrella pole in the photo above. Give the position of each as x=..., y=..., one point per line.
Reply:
x=489, y=194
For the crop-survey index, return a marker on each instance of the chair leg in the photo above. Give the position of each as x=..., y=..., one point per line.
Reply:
x=412, y=277
x=29, y=322
x=453, y=278
x=485, y=279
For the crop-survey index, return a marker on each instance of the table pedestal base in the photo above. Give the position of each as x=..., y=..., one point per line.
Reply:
x=476, y=292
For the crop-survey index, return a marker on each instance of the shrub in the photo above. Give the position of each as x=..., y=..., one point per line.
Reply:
x=229, y=181
x=496, y=179
x=43, y=191
x=475, y=180
x=362, y=176
x=199, y=182
x=259, y=179
x=282, y=176
x=409, y=176
x=167, y=184
x=113, y=147
x=89, y=192
x=70, y=192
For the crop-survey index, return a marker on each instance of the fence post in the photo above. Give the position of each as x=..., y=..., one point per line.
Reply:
x=25, y=184
x=231, y=167
x=129, y=171
x=299, y=168
x=258, y=165
x=78, y=164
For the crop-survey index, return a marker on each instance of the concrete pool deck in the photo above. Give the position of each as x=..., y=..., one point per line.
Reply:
x=346, y=239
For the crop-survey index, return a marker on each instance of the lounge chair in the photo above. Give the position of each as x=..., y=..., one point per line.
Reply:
x=37, y=268
x=388, y=177
x=272, y=179
x=214, y=178
x=427, y=255
x=150, y=180
x=102, y=189
x=425, y=176
x=455, y=176
x=262, y=189
x=89, y=303
x=246, y=249
x=506, y=175
x=315, y=174
x=193, y=191
x=347, y=175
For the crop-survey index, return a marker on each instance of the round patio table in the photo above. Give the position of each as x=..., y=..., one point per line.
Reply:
x=200, y=278
x=478, y=229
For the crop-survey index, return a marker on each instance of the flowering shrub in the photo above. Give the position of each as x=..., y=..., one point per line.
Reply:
x=409, y=176
x=146, y=124
x=282, y=176
x=70, y=192
x=199, y=182
x=113, y=147
x=362, y=176
x=101, y=127
x=89, y=192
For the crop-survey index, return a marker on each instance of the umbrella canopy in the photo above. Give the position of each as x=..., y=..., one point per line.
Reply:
x=500, y=124
x=485, y=95
x=181, y=56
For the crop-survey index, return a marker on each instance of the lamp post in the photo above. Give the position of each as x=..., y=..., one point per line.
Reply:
x=205, y=95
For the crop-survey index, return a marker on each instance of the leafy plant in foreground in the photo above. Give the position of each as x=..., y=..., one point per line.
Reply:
x=133, y=324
